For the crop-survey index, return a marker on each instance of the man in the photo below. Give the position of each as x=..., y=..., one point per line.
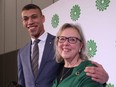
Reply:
x=33, y=20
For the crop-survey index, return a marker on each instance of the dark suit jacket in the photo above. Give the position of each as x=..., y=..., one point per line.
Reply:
x=48, y=68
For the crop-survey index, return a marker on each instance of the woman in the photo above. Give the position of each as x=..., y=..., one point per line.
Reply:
x=70, y=48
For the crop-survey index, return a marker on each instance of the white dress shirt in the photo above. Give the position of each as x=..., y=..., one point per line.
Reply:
x=41, y=45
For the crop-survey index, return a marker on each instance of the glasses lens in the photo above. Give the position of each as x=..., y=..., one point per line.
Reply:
x=61, y=39
x=72, y=40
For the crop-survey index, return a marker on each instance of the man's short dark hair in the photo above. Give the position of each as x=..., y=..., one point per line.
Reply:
x=31, y=6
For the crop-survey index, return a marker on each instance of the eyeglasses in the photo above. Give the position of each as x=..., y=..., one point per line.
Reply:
x=71, y=40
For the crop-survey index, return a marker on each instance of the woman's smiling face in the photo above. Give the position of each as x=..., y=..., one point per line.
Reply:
x=66, y=48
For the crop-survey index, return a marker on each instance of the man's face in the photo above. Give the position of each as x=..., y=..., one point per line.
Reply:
x=33, y=21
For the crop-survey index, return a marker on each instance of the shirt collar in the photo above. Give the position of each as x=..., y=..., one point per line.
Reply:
x=42, y=37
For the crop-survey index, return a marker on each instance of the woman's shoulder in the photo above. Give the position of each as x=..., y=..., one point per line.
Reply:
x=87, y=63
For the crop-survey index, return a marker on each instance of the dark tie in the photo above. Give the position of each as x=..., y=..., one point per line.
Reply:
x=35, y=57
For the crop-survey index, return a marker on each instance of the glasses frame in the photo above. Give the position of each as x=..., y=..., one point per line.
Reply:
x=69, y=39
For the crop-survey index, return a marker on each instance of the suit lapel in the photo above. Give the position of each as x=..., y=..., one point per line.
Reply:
x=48, y=47
x=29, y=58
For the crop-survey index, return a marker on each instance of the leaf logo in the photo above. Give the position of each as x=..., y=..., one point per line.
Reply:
x=75, y=12
x=92, y=48
x=102, y=4
x=55, y=21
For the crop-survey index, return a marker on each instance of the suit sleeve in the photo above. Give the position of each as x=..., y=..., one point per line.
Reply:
x=21, y=80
